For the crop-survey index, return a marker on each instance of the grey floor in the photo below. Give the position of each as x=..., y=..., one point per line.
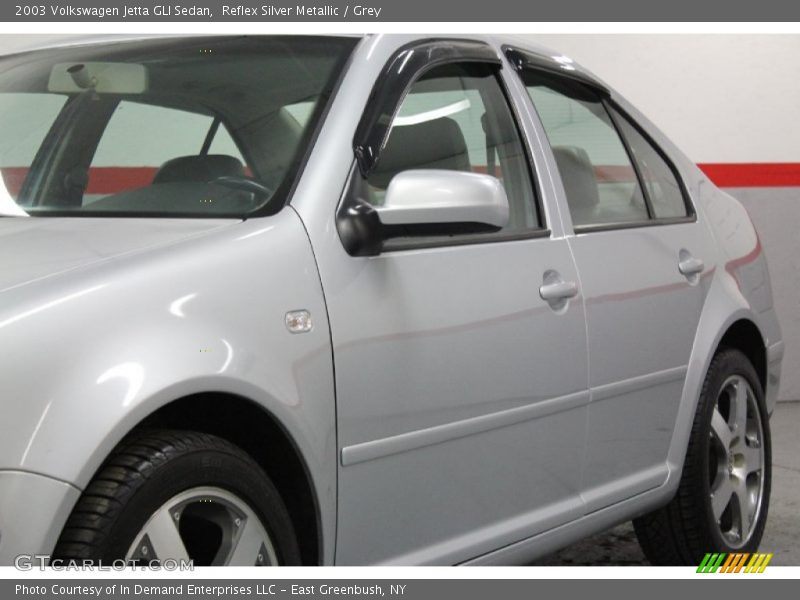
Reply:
x=781, y=537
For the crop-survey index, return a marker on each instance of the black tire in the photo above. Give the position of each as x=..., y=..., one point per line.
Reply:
x=149, y=468
x=682, y=532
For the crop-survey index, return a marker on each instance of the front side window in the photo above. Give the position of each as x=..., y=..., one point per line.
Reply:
x=457, y=117
x=599, y=179
x=214, y=127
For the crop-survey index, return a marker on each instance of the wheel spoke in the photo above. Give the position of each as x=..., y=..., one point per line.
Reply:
x=745, y=509
x=740, y=410
x=721, y=497
x=247, y=544
x=752, y=459
x=720, y=428
x=165, y=537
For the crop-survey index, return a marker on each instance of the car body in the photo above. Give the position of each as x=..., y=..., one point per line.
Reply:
x=435, y=396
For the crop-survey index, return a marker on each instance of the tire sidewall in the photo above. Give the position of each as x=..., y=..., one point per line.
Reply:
x=205, y=468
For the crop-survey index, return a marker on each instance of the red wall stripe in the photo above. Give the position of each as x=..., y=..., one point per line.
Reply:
x=102, y=180
x=111, y=180
x=753, y=174
x=13, y=177
x=614, y=174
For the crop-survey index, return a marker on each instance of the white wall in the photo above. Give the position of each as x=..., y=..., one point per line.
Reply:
x=721, y=98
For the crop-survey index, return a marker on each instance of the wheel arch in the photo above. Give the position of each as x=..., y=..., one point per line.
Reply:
x=261, y=434
x=727, y=321
x=744, y=335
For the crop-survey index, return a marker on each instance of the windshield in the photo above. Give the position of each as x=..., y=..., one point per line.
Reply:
x=186, y=128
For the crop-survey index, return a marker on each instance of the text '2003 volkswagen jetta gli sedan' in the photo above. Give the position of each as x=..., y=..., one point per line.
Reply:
x=280, y=300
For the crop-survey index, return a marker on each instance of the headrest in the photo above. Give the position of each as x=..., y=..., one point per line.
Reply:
x=435, y=144
x=200, y=169
x=580, y=184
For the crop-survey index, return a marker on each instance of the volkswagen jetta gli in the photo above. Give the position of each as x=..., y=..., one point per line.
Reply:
x=391, y=299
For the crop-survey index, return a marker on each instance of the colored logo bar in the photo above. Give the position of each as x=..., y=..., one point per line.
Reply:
x=734, y=563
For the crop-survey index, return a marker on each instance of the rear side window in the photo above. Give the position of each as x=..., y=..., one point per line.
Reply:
x=598, y=176
x=457, y=117
x=612, y=173
x=660, y=181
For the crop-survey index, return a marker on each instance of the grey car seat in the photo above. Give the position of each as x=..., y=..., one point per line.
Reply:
x=435, y=144
x=198, y=169
x=580, y=183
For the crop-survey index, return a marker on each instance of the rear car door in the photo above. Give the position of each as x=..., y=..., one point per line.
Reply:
x=640, y=253
x=461, y=393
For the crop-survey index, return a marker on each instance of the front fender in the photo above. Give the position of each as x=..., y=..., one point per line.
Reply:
x=88, y=355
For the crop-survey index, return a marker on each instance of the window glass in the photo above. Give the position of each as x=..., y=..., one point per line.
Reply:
x=457, y=117
x=162, y=127
x=223, y=143
x=25, y=120
x=140, y=138
x=598, y=177
x=301, y=111
x=663, y=189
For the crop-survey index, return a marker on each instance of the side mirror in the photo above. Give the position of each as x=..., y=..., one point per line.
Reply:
x=449, y=199
x=421, y=202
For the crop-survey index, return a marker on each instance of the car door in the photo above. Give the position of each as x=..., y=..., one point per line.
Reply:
x=640, y=253
x=461, y=392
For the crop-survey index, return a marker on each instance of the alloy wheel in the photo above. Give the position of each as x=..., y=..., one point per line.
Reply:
x=208, y=525
x=736, y=461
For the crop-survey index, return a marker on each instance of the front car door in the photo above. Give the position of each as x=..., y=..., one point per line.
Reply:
x=640, y=252
x=461, y=393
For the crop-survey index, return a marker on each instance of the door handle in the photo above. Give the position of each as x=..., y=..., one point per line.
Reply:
x=691, y=266
x=558, y=290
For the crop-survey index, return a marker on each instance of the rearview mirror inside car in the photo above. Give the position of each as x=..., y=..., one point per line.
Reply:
x=101, y=77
